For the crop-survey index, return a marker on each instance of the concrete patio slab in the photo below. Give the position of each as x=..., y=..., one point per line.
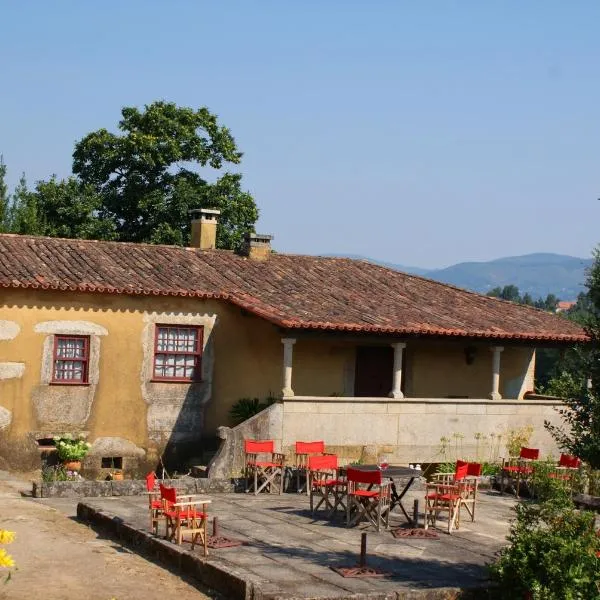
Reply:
x=289, y=552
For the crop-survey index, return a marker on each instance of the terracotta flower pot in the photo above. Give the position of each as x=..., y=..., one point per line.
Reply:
x=118, y=476
x=72, y=465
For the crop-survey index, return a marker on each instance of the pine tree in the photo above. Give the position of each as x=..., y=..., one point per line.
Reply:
x=24, y=214
x=4, y=199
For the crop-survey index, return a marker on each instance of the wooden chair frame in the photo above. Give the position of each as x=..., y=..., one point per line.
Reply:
x=304, y=450
x=262, y=474
x=155, y=504
x=520, y=467
x=566, y=468
x=448, y=496
x=369, y=498
x=325, y=484
x=182, y=518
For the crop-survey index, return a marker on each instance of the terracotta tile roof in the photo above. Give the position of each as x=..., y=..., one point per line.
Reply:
x=291, y=291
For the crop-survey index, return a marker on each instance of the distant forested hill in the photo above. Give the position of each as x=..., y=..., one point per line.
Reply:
x=537, y=274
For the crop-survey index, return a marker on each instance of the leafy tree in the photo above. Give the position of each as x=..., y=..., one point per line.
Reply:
x=150, y=175
x=69, y=208
x=581, y=433
x=4, y=199
x=24, y=211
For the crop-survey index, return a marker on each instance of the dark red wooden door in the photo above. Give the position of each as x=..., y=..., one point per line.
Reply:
x=374, y=371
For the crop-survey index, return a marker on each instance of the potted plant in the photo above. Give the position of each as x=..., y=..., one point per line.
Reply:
x=71, y=451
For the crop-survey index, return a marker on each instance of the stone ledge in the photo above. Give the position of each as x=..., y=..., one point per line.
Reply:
x=218, y=574
x=129, y=487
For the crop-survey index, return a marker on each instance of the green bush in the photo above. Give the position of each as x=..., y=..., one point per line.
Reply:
x=245, y=408
x=552, y=548
x=70, y=448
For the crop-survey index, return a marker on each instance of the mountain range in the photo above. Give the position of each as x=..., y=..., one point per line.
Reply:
x=538, y=274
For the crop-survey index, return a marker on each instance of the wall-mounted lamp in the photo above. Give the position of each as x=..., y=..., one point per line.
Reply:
x=470, y=353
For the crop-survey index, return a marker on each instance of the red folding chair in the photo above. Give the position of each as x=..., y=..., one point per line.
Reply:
x=154, y=501
x=184, y=517
x=325, y=484
x=471, y=488
x=303, y=451
x=520, y=468
x=263, y=474
x=568, y=466
x=369, y=497
x=446, y=497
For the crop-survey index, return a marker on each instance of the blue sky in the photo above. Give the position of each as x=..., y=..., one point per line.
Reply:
x=420, y=133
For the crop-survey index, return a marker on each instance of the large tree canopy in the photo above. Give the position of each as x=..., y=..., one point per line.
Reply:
x=151, y=174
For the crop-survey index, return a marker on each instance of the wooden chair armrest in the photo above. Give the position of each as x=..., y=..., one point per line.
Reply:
x=278, y=458
x=192, y=503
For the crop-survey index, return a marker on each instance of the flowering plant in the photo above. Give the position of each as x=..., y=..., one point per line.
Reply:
x=6, y=560
x=69, y=448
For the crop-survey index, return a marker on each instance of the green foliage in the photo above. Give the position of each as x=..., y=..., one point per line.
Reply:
x=70, y=448
x=148, y=177
x=245, y=408
x=69, y=208
x=517, y=438
x=581, y=412
x=4, y=199
x=552, y=549
x=24, y=212
x=512, y=294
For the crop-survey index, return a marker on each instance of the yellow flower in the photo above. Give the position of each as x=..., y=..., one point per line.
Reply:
x=6, y=537
x=6, y=559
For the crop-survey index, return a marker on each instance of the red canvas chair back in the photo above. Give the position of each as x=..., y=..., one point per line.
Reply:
x=310, y=447
x=529, y=453
x=150, y=481
x=259, y=446
x=474, y=469
x=461, y=470
x=569, y=461
x=168, y=494
x=367, y=477
x=323, y=463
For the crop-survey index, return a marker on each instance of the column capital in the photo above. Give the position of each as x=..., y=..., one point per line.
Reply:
x=399, y=345
x=288, y=341
x=497, y=349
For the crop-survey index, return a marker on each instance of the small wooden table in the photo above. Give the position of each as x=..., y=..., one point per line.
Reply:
x=394, y=472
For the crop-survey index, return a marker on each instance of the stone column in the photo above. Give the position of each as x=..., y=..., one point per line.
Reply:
x=495, y=395
x=397, y=386
x=288, y=353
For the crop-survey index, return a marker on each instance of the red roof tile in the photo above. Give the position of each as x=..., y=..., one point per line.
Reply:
x=291, y=291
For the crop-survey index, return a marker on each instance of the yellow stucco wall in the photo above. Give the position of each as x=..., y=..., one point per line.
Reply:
x=439, y=370
x=242, y=358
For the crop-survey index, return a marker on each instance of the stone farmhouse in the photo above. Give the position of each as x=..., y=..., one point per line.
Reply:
x=145, y=349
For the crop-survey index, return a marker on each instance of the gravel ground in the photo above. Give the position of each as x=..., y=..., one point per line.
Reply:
x=61, y=559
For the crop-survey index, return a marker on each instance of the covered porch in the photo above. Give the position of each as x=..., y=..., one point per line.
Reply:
x=374, y=367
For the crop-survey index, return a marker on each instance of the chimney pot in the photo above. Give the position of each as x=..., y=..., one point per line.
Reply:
x=257, y=246
x=204, y=228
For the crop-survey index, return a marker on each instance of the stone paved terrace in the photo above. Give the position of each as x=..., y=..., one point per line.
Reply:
x=289, y=551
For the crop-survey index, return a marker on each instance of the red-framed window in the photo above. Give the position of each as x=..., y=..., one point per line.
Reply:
x=177, y=353
x=71, y=359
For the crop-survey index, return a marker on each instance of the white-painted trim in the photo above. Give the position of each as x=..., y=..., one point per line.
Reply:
x=12, y=370
x=70, y=328
x=9, y=330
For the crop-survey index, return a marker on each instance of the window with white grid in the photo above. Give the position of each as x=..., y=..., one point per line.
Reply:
x=177, y=353
x=71, y=358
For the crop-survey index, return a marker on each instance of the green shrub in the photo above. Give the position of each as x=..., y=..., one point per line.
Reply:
x=552, y=549
x=70, y=448
x=245, y=408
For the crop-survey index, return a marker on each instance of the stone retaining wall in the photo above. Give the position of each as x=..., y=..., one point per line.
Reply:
x=130, y=487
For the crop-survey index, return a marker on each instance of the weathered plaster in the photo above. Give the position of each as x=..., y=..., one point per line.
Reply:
x=115, y=446
x=11, y=370
x=9, y=330
x=5, y=417
x=70, y=328
x=176, y=410
x=65, y=406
